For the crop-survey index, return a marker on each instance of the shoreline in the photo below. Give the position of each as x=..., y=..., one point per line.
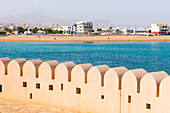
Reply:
x=83, y=39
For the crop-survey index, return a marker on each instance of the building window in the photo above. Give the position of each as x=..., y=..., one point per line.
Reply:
x=38, y=85
x=0, y=88
x=78, y=90
x=102, y=96
x=129, y=99
x=30, y=95
x=61, y=86
x=24, y=84
x=148, y=106
x=50, y=87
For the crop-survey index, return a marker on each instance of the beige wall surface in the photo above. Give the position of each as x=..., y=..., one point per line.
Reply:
x=84, y=87
x=130, y=96
x=150, y=92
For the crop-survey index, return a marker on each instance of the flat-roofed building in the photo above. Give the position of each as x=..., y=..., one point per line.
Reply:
x=83, y=27
x=66, y=29
x=2, y=33
x=159, y=29
x=168, y=30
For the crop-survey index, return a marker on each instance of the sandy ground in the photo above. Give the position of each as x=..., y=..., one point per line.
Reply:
x=13, y=107
x=35, y=38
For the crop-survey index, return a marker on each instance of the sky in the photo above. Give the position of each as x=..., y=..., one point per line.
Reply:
x=119, y=12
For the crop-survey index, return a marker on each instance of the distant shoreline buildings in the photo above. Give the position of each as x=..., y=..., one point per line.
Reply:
x=83, y=28
x=160, y=29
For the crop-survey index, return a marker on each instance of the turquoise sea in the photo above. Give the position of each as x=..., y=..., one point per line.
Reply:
x=152, y=56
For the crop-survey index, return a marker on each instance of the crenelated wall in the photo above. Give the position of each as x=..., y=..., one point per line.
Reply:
x=90, y=89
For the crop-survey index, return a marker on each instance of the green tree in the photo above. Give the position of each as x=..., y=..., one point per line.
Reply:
x=21, y=30
x=49, y=31
x=99, y=29
x=35, y=30
x=149, y=31
x=60, y=32
x=8, y=30
x=56, y=31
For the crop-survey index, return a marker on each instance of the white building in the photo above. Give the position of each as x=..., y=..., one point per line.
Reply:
x=66, y=29
x=168, y=30
x=135, y=31
x=15, y=33
x=128, y=31
x=141, y=31
x=41, y=32
x=2, y=28
x=13, y=27
x=159, y=29
x=83, y=27
x=28, y=33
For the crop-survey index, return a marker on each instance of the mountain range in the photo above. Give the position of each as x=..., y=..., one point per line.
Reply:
x=40, y=18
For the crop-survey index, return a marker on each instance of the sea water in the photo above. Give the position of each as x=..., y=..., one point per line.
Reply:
x=151, y=56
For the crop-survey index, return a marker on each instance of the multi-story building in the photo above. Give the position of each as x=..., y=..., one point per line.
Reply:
x=128, y=31
x=168, y=30
x=159, y=29
x=84, y=27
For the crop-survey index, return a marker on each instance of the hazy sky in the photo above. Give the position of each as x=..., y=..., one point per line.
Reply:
x=120, y=12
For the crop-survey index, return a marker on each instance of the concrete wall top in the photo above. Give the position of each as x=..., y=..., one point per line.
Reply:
x=158, y=76
x=16, y=64
x=4, y=63
x=80, y=69
x=67, y=66
x=102, y=69
x=36, y=62
x=20, y=61
x=153, y=80
x=52, y=63
x=34, y=65
x=165, y=87
x=5, y=60
x=133, y=76
x=85, y=67
x=96, y=70
x=48, y=67
x=119, y=72
x=139, y=73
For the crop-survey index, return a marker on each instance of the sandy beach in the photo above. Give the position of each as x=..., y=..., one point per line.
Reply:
x=48, y=38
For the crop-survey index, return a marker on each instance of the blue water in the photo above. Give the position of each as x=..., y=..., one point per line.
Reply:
x=152, y=56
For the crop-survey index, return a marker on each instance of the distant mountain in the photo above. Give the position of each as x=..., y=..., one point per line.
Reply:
x=102, y=23
x=39, y=18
